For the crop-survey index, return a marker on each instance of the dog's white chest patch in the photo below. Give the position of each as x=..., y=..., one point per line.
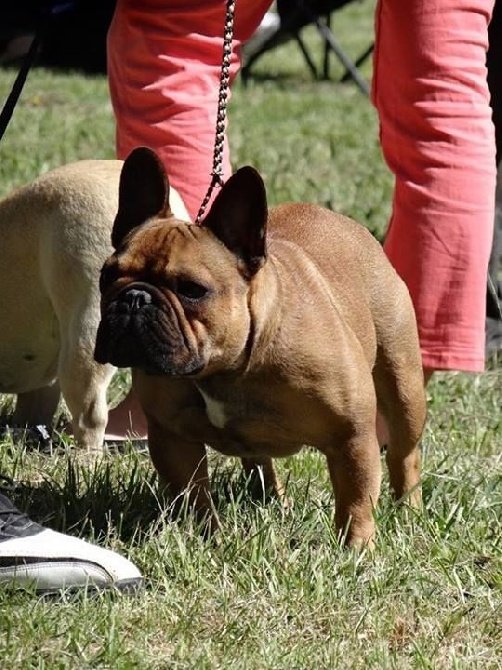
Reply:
x=215, y=410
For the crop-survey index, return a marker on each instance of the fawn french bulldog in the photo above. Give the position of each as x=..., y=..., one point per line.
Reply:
x=259, y=332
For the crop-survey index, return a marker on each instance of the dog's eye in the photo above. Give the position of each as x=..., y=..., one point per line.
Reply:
x=190, y=289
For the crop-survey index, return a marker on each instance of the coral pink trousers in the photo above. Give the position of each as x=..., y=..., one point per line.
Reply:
x=431, y=93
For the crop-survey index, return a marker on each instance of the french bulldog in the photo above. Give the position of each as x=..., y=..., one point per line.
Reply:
x=258, y=332
x=55, y=236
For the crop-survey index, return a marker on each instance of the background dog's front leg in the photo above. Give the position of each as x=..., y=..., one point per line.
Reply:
x=37, y=407
x=355, y=472
x=183, y=472
x=84, y=385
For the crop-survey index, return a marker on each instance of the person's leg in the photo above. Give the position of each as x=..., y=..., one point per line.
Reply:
x=38, y=559
x=126, y=421
x=430, y=90
x=164, y=63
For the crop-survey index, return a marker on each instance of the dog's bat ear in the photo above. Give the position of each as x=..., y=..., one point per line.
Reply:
x=238, y=217
x=143, y=192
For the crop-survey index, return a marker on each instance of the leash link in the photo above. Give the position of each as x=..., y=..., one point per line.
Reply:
x=221, y=116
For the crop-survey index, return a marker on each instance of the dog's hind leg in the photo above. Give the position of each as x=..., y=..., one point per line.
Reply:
x=355, y=472
x=400, y=391
x=262, y=479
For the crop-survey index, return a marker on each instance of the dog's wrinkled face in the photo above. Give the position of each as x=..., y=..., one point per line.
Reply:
x=174, y=295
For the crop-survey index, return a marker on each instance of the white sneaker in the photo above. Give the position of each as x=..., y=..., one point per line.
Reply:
x=36, y=558
x=269, y=25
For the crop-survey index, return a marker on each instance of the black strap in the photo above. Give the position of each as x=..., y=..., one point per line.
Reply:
x=47, y=10
x=10, y=103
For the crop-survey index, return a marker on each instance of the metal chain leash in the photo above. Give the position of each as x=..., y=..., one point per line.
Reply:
x=219, y=141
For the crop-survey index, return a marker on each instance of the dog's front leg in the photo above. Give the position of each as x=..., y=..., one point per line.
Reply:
x=176, y=441
x=183, y=473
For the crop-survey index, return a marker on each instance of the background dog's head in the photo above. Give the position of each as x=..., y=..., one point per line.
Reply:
x=175, y=296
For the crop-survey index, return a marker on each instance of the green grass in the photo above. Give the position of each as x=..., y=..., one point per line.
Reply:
x=277, y=592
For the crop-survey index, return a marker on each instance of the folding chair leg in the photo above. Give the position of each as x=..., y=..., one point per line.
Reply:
x=346, y=75
x=350, y=68
x=289, y=30
x=326, y=63
x=307, y=57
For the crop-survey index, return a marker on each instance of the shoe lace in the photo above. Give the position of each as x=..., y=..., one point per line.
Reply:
x=9, y=514
x=8, y=485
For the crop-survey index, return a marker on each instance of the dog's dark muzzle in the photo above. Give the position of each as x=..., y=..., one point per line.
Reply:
x=140, y=328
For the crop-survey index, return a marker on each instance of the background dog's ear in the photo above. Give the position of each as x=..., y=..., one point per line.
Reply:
x=238, y=217
x=143, y=192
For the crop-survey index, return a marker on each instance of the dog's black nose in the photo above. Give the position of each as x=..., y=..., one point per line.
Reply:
x=136, y=299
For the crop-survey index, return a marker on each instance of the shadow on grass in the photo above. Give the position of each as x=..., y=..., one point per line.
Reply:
x=93, y=502
x=118, y=495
